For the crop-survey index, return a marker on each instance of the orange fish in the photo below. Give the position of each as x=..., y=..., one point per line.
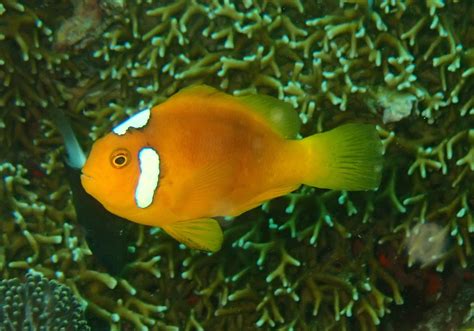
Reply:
x=204, y=153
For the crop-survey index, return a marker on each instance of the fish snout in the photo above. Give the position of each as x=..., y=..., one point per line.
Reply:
x=85, y=175
x=87, y=181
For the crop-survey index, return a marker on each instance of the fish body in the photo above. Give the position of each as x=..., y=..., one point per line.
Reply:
x=203, y=154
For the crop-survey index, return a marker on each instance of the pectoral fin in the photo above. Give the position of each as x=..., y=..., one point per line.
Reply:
x=204, y=233
x=211, y=180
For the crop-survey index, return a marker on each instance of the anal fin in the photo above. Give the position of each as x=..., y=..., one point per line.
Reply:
x=203, y=233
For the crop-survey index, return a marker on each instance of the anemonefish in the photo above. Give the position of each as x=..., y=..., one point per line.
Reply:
x=203, y=154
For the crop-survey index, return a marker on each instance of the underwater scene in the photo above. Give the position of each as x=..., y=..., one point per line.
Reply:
x=237, y=165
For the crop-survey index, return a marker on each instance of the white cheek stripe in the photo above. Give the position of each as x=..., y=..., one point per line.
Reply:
x=149, y=161
x=137, y=121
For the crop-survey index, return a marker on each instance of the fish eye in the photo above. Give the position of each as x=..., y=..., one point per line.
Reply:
x=120, y=158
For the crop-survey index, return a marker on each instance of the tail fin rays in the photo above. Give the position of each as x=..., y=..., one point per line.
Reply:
x=348, y=157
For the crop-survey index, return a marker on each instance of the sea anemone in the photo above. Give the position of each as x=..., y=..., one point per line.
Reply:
x=39, y=304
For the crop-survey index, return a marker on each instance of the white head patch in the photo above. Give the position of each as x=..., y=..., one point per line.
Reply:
x=149, y=161
x=137, y=121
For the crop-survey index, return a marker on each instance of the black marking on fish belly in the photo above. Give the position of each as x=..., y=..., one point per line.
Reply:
x=98, y=223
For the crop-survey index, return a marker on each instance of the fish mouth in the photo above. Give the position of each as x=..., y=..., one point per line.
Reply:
x=84, y=175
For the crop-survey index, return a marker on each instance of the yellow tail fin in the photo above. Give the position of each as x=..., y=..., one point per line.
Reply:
x=348, y=157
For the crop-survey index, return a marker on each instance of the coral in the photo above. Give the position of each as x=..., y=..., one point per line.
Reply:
x=87, y=20
x=444, y=318
x=31, y=74
x=37, y=234
x=39, y=304
x=395, y=105
x=337, y=260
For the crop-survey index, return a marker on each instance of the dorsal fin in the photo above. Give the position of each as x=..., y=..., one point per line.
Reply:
x=278, y=114
x=203, y=90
